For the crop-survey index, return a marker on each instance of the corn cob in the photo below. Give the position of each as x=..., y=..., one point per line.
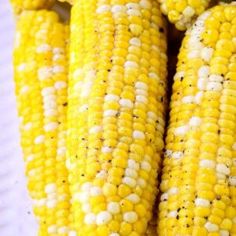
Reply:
x=19, y=5
x=116, y=114
x=40, y=63
x=199, y=174
x=183, y=12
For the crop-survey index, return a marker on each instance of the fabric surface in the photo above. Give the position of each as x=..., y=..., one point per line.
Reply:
x=16, y=217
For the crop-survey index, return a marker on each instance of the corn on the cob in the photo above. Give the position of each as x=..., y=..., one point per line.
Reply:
x=19, y=5
x=40, y=62
x=199, y=173
x=116, y=114
x=183, y=12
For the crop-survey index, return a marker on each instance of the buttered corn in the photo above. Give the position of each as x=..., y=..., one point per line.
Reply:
x=40, y=63
x=117, y=99
x=199, y=174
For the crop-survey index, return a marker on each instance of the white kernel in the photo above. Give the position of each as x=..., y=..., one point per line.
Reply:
x=90, y=219
x=21, y=67
x=72, y=233
x=108, y=113
x=145, y=4
x=195, y=121
x=232, y=181
x=131, y=173
x=202, y=202
x=39, y=139
x=118, y=8
x=42, y=202
x=28, y=126
x=214, y=86
x=95, y=129
x=43, y=48
x=130, y=217
x=126, y=103
x=86, y=208
x=188, y=11
x=164, y=197
x=198, y=97
x=134, y=198
x=131, y=64
x=49, y=104
x=146, y=166
x=51, y=126
x=95, y=191
x=173, y=191
x=103, y=218
x=103, y=8
x=113, y=207
x=60, y=85
x=51, y=203
x=153, y=75
x=224, y=233
x=202, y=83
x=223, y=169
x=204, y=72
x=142, y=92
x=141, y=99
x=63, y=230
x=179, y=75
x=78, y=73
x=141, y=85
x=58, y=57
x=111, y=97
x=58, y=50
x=173, y=214
x=142, y=182
x=48, y=91
x=133, y=164
x=194, y=54
x=61, y=151
x=51, y=196
x=129, y=181
x=188, y=99
x=83, y=108
x=50, y=188
x=106, y=149
x=83, y=197
x=207, y=53
x=52, y=229
x=86, y=187
x=133, y=12
x=207, y=164
x=50, y=112
x=138, y=134
x=136, y=42
x=177, y=155
x=114, y=234
x=152, y=115
x=24, y=89
x=101, y=174
x=168, y=153
x=211, y=227
x=44, y=73
x=182, y=130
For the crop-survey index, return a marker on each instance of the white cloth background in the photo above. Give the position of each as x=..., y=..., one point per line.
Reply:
x=16, y=218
